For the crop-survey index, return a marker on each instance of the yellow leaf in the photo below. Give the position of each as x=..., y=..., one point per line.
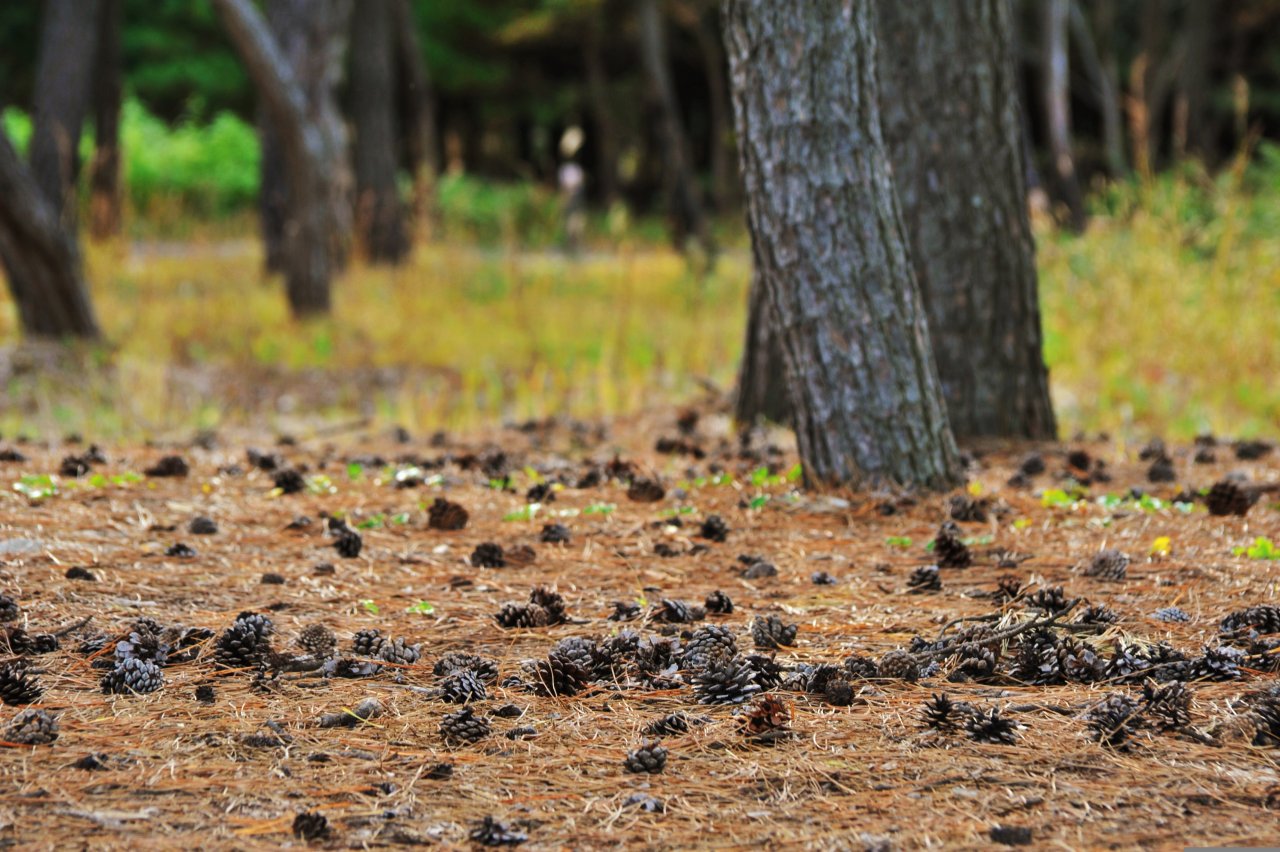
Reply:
x=975, y=488
x=1161, y=546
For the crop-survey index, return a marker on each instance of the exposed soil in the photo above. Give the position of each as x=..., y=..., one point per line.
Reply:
x=841, y=757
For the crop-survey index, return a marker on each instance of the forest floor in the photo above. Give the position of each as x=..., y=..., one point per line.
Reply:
x=843, y=758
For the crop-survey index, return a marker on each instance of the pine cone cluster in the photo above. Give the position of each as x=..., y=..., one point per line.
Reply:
x=708, y=643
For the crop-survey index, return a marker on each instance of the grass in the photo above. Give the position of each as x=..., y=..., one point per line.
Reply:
x=1160, y=319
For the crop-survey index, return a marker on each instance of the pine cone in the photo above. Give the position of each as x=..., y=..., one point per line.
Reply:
x=522, y=616
x=1078, y=662
x=1115, y=719
x=551, y=601
x=772, y=632
x=650, y=757
x=558, y=675
x=991, y=727
x=767, y=721
x=1097, y=614
x=676, y=612
x=672, y=725
x=899, y=665
x=949, y=549
x=9, y=609
x=714, y=529
x=943, y=714
x=1050, y=599
x=290, y=481
x=18, y=687
x=32, y=727
x=462, y=686
x=555, y=534
x=1228, y=498
x=1262, y=618
x=399, y=652
x=446, y=515
x=311, y=826
x=1109, y=564
x=133, y=676
x=367, y=642
x=488, y=555
x=143, y=646
x=926, y=578
x=731, y=681
x=1169, y=705
x=719, y=603
x=485, y=669
x=861, y=668
x=1217, y=664
x=646, y=491
x=490, y=832
x=464, y=727
x=240, y=646
x=711, y=641
x=318, y=641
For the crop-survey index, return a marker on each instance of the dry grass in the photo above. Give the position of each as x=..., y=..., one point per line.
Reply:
x=181, y=774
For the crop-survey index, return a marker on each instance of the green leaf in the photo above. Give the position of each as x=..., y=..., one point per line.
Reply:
x=759, y=476
x=373, y=522
x=599, y=509
x=759, y=502
x=318, y=483
x=422, y=608
x=369, y=606
x=795, y=473
x=402, y=518
x=36, y=486
x=899, y=541
x=355, y=470
x=524, y=513
x=1262, y=548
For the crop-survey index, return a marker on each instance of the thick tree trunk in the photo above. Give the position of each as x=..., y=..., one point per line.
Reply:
x=40, y=257
x=306, y=135
x=418, y=106
x=108, y=93
x=952, y=122
x=681, y=185
x=64, y=71
x=379, y=214
x=832, y=252
x=1057, y=105
x=605, y=143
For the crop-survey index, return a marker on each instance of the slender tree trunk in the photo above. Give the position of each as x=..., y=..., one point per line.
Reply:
x=833, y=254
x=1057, y=103
x=40, y=257
x=762, y=378
x=418, y=106
x=1192, y=127
x=1100, y=65
x=682, y=190
x=64, y=71
x=606, y=138
x=693, y=17
x=379, y=214
x=952, y=122
x=273, y=193
x=108, y=93
x=305, y=137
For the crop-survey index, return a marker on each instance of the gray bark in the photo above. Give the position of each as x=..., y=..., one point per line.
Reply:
x=762, y=380
x=833, y=257
x=952, y=122
x=379, y=213
x=64, y=71
x=40, y=257
x=311, y=142
x=1057, y=101
x=108, y=93
x=682, y=190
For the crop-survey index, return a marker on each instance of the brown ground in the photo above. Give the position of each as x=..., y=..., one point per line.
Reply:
x=181, y=773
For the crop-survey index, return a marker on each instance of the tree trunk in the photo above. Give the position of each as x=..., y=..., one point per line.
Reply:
x=832, y=252
x=306, y=137
x=108, y=92
x=1191, y=127
x=1057, y=104
x=40, y=257
x=952, y=123
x=422, y=142
x=64, y=72
x=379, y=214
x=692, y=16
x=606, y=139
x=762, y=379
x=682, y=191
x=1100, y=65
x=273, y=193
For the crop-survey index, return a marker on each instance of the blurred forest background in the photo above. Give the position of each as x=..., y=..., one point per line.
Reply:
x=1152, y=127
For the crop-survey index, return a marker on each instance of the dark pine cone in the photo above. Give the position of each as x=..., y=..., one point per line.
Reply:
x=261, y=624
x=289, y=481
x=399, y=652
x=348, y=542
x=1037, y=661
x=650, y=757
x=461, y=686
x=133, y=676
x=1008, y=587
x=522, y=616
x=767, y=721
x=202, y=525
x=9, y=609
x=714, y=528
x=926, y=578
x=1169, y=705
x=646, y=491
x=967, y=509
x=730, y=681
x=624, y=611
x=446, y=515
x=240, y=646
x=676, y=612
x=1221, y=663
x=464, y=727
x=1228, y=498
x=1115, y=719
x=1050, y=599
x=318, y=641
x=991, y=727
x=555, y=534
x=17, y=687
x=367, y=642
x=1097, y=614
x=558, y=674
x=899, y=665
x=552, y=601
x=976, y=663
x=490, y=832
x=169, y=466
x=943, y=714
x=488, y=555
x=32, y=727
x=706, y=643
x=671, y=725
x=310, y=826
x=1108, y=564
x=949, y=549
x=1263, y=618
x=144, y=646
x=719, y=603
x=1078, y=662
x=861, y=668
x=772, y=632
x=485, y=669
x=20, y=641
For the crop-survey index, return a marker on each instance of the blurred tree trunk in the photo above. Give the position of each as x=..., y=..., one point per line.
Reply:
x=418, y=108
x=693, y=17
x=1099, y=60
x=108, y=93
x=606, y=139
x=40, y=256
x=833, y=257
x=1191, y=127
x=952, y=122
x=379, y=214
x=273, y=193
x=762, y=378
x=1057, y=104
x=300, y=108
x=64, y=71
x=687, y=214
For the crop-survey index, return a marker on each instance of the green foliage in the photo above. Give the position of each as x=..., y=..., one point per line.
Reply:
x=1262, y=548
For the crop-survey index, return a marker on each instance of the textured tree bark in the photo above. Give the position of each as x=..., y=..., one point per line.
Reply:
x=308, y=143
x=827, y=234
x=108, y=92
x=64, y=72
x=422, y=142
x=682, y=190
x=1057, y=101
x=952, y=122
x=762, y=380
x=380, y=223
x=40, y=257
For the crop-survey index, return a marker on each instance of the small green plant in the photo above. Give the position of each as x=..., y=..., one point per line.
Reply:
x=422, y=608
x=369, y=606
x=372, y=522
x=1262, y=548
x=355, y=471
x=318, y=483
x=898, y=541
x=36, y=486
x=600, y=509
x=524, y=513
